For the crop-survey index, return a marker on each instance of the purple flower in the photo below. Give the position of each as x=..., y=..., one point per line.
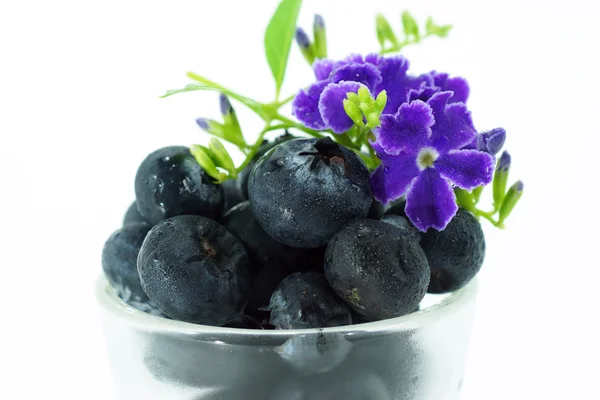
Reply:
x=491, y=141
x=422, y=155
x=321, y=105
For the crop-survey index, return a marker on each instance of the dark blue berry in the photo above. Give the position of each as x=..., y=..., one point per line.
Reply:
x=455, y=254
x=377, y=268
x=119, y=261
x=170, y=182
x=305, y=300
x=403, y=224
x=376, y=211
x=133, y=215
x=242, y=181
x=194, y=270
x=303, y=191
x=231, y=194
x=271, y=260
x=397, y=208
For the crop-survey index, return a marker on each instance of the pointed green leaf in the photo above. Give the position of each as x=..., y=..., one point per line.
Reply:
x=411, y=28
x=278, y=38
x=384, y=31
x=220, y=156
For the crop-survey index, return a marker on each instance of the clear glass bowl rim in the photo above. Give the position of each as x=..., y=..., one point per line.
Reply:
x=113, y=305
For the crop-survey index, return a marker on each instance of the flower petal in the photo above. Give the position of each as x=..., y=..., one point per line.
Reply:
x=392, y=179
x=430, y=202
x=457, y=85
x=397, y=83
x=306, y=106
x=323, y=68
x=331, y=105
x=367, y=74
x=453, y=128
x=408, y=130
x=466, y=168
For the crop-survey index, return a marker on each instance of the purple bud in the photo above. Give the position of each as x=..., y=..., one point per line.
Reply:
x=302, y=38
x=319, y=22
x=519, y=186
x=225, y=105
x=202, y=123
x=504, y=163
x=492, y=141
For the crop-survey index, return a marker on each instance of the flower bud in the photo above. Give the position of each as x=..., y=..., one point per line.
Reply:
x=320, y=37
x=501, y=178
x=305, y=45
x=510, y=200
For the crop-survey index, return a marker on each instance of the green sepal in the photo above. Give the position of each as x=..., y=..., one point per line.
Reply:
x=411, y=28
x=204, y=159
x=232, y=131
x=437, y=30
x=510, y=201
x=384, y=31
x=476, y=193
x=464, y=199
x=221, y=157
x=320, y=36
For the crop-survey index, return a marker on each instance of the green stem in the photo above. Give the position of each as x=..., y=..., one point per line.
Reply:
x=255, y=147
x=291, y=124
x=398, y=46
x=254, y=105
x=285, y=101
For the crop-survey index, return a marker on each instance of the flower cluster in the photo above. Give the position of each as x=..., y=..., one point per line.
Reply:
x=427, y=143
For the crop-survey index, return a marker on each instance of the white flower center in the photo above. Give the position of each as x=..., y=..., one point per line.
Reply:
x=427, y=157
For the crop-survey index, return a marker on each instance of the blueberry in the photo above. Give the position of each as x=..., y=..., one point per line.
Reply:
x=397, y=208
x=376, y=211
x=194, y=270
x=133, y=215
x=377, y=268
x=170, y=182
x=271, y=260
x=231, y=194
x=242, y=181
x=303, y=191
x=305, y=300
x=119, y=261
x=455, y=254
x=402, y=223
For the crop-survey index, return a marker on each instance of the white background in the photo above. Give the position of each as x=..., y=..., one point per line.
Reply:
x=79, y=88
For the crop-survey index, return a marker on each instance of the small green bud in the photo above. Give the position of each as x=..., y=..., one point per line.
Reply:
x=211, y=126
x=320, y=45
x=373, y=120
x=220, y=156
x=354, y=112
x=231, y=129
x=501, y=178
x=353, y=97
x=510, y=200
x=384, y=31
x=203, y=158
x=364, y=95
x=381, y=101
x=410, y=26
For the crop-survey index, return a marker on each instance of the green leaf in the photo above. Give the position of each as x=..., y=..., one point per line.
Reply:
x=220, y=156
x=204, y=159
x=437, y=30
x=278, y=39
x=411, y=28
x=464, y=199
x=384, y=31
x=188, y=88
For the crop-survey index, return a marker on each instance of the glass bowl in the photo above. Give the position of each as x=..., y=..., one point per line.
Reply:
x=420, y=356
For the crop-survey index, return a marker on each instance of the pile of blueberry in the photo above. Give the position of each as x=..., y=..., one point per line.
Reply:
x=296, y=242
